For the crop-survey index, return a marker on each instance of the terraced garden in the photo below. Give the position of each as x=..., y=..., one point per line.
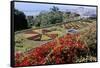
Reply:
x=71, y=42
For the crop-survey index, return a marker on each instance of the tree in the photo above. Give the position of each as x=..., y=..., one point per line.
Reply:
x=30, y=20
x=20, y=21
x=54, y=9
x=56, y=15
x=46, y=18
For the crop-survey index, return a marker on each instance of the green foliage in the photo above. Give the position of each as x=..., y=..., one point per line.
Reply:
x=53, y=16
x=30, y=20
x=47, y=18
x=20, y=21
x=54, y=9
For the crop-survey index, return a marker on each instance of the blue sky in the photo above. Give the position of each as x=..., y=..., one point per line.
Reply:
x=35, y=8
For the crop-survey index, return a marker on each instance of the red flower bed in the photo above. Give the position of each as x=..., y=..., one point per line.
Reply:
x=35, y=56
x=36, y=37
x=31, y=32
x=61, y=55
x=52, y=35
x=52, y=53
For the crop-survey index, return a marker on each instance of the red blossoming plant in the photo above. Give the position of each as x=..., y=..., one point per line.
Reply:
x=61, y=50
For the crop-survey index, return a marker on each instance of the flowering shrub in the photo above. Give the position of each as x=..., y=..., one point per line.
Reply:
x=61, y=50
